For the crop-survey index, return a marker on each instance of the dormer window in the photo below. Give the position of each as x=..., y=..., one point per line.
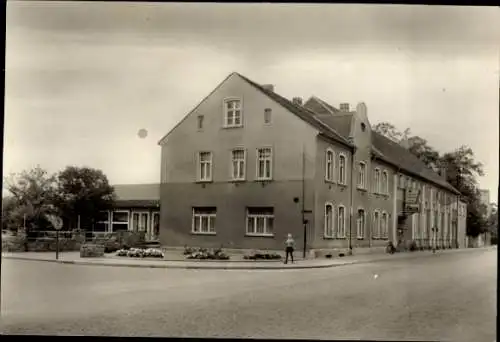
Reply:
x=233, y=113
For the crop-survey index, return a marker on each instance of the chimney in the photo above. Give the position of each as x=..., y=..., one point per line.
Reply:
x=269, y=87
x=344, y=107
x=297, y=101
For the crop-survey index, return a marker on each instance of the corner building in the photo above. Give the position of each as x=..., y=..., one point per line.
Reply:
x=246, y=167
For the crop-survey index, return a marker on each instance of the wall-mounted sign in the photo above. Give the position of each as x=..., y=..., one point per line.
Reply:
x=412, y=201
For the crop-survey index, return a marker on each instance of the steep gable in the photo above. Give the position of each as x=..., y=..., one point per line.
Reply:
x=300, y=111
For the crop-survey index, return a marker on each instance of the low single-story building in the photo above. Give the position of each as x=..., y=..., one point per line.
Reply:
x=137, y=208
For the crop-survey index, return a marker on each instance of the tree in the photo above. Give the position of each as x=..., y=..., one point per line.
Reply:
x=391, y=132
x=420, y=148
x=416, y=145
x=32, y=193
x=83, y=192
x=462, y=172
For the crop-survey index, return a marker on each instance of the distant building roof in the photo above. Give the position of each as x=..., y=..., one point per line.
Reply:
x=137, y=195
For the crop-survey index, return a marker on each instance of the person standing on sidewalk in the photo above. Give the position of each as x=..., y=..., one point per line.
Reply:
x=290, y=246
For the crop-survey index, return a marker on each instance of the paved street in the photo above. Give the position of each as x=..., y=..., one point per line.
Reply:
x=443, y=297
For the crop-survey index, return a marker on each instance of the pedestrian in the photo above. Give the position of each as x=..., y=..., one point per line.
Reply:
x=290, y=245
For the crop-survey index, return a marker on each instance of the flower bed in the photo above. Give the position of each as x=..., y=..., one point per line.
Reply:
x=140, y=253
x=205, y=254
x=262, y=256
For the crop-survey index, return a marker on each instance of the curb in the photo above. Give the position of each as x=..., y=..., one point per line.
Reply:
x=240, y=267
x=186, y=267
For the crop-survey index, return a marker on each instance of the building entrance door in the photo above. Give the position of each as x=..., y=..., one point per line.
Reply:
x=140, y=221
x=154, y=233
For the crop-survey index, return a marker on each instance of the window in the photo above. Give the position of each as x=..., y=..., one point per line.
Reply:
x=260, y=221
x=264, y=165
x=376, y=181
x=205, y=166
x=238, y=164
x=200, y=121
x=328, y=220
x=341, y=222
x=360, y=224
x=363, y=127
x=119, y=220
x=204, y=220
x=232, y=113
x=342, y=162
x=329, y=165
x=376, y=225
x=385, y=226
x=102, y=222
x=401, y=182
x=385, y=182
x=267, y=115
x=362, y=175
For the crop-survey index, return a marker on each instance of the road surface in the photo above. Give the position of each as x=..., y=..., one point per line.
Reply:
x=441, y=297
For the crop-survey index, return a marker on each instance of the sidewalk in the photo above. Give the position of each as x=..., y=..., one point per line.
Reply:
x=111, y=260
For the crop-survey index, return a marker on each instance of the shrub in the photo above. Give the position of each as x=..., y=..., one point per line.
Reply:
x=91, y=250
x=204, y=254
x=262, y=256
x=140, y=253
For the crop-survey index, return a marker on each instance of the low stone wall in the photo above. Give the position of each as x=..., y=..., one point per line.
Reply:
x=91, y=251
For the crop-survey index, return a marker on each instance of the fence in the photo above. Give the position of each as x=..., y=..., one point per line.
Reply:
x=68, y=240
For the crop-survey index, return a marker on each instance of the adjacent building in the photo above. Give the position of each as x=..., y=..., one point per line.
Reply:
x=137, y=208
x=247, y=166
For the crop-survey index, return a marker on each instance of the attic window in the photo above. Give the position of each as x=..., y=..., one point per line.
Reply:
x=267, y=115
x=200, y=121
x=363, y=126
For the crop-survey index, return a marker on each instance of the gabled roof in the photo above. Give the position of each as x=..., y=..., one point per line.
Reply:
x=333, y=117
x=328, y=106
x=302, y=112
x=382, y=147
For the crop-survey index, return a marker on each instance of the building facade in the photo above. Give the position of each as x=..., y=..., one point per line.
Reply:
x=247, y=166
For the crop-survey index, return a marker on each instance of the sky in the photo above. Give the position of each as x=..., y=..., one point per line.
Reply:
x=83, y=78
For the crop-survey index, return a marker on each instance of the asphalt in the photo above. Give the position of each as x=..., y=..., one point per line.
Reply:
x=447, y=296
